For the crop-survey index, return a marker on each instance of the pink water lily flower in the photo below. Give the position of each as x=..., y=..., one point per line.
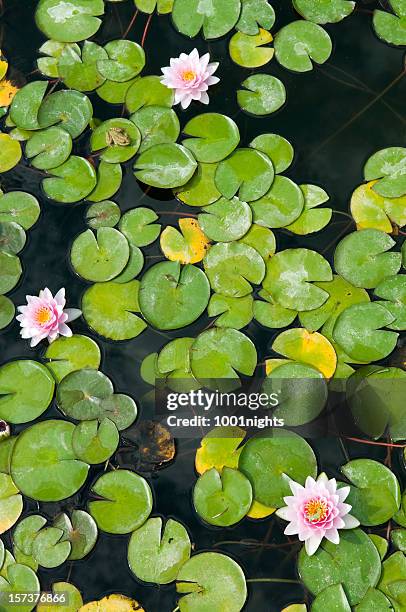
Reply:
x=190, y=76
x=317, y=510
x=45, y=316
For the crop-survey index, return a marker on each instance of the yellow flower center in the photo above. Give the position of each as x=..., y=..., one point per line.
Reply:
x=188, y=75
x=316, y=509
x=43, y=315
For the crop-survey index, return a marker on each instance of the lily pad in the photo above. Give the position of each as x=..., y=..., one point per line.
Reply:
x=117, y=140
x=226, y=220
x=333, y=597
x=95, y=442
x=388, y=165
x=210, y=580
x=393, y=290
x=187, y=246
x=127, y=501
x=264, y=94
x=26, y=104
x=69, y=21
x=114, y=92
x=215, y=17
x=174, y=362
x=261, y=239
x=100, y=258
x=156, y=554
x=301, y=42
x=10, y=152
x=43, y=464
x=232, y=266
x=354, y=563
x=375, y=491
x=220, y=447
x=69, y=109
x=49, y=148
x=103, y=214
x=109, y=309
x=280, y=206
x=66, y=355
x=311, y=220
x=20, y=207
x=359, y=331
x=267, y=460
x=278, y=149
x=393, y=580
x=374, y=600
x=138, y=226
x=249, y=51
x=157, y=125
x=48, y=548
x=19, y=578
x=7, y=311
x=172, y=297
x=126, y=60
x=10, y=271
x=212, y=137
x=71, y=182
x=148, y=91
x=311, y=348
x=165, y=165
x=11, y=503
x=231, y=311
x=26, y=532
x=255, y=13
x=371, y=210
x=222, y=499
x=133, y=267
x=389, y=28
x=201, y=190
x=79, y=70
x=246, y=172
x=73, y=599
x=80, y=394
x=149, y=6
x=109, y=178
x=324, y=11
x=26, y=390
x=80, y=530
x=398, y=538
x=270, y=314
x=12, y=237
x=112, y=603
x=290, y=277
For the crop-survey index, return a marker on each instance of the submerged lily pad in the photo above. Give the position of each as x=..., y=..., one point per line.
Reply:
x=216, y=17
x=172, y=297
x=263, y=94
x=156, y=553
x=300, y=42
x=127, y=501
x=100, y=258
x=165, y=165
x=69, y=21
x=249, y=51
x=212, y=137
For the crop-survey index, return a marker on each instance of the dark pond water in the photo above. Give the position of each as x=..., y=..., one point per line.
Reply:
x=336, y=119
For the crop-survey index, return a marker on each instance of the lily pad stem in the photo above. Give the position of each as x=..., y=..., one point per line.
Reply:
x=144, y=35
x=130, y=25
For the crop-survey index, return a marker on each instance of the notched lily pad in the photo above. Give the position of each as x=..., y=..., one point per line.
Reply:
x=264, y=94
x=249, y=51
x=301, y=42
x=100, y=257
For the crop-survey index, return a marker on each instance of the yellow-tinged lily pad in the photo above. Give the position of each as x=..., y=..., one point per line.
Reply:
x=371, y=210
x=112, y=603
x=10, y=152
x=249, y=51
x=187, y=246
x=307, y=347
x=259, y=511
x=221, y=447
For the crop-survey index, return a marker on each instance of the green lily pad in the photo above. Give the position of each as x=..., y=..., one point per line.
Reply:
x=221, y=353
x=79, y=70
x=393, y=290
x=119, y=408
x=246, y=172
x=165, y=165
x=26, y=390
x=157, y=125
x=149, y=6
x=114, y=92
x=255, y=13
x=232, y=266
x=156, y=554
x=71, y=595
x=215, y=17
x=390, y=28
x=201, y=190
x=222, y=499
x=148, y=91
x=127, y=501
x=95, y=442
x=53, y=49
x=100, y=258
x=362, y=258
x=264, y=94
x=324, y=11
x=7, y=311
x=388, y=165
x=69, y=109
x=398, y=539
x=210, y=580
x=109, y=177
x=290, y=277
x=374, y=600
x=10, y=271
x=138, y=226
x=174, y=360
x=213, y=137
x=331, y=598
x=393, y=578
x=11, y=503
x=375, y=491
x=301, y=42
x=26, y=104
x=371, y=210
x=109, y=309
x=311, y=220
x=359, y=331
x=26, y=532
x=21, y=207
x=354, y=563
x=19, y=578
x=126, y=60
x=261, y=239
x=118, y=140
x=218, y=448
x=80, y=531
x=10, y=152
x=80, y=394
x=48, y=549
x=249, y=51
x=226, y=220
x=103, y=214
x=49, y=148
x=280, y=206
x=69, y=21
x=133, y=267
x=270, y=314
x=266, y=461
x=12, y=237
x=235, y=312
x=278, y=149
x=66, y=355
x=171, y=296
x=43, y=465
x=71, y=182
